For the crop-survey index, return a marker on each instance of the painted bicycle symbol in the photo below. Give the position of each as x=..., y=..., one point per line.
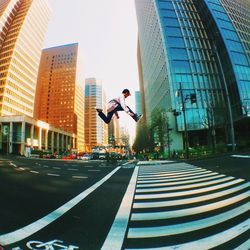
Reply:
x=50, y=245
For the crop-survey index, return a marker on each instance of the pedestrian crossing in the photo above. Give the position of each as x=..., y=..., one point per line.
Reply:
x=181, y=206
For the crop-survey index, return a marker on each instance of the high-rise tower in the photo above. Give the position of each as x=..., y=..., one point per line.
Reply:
x=23, y=24
x=60, y=90
x=95, y=129
x=199, y=51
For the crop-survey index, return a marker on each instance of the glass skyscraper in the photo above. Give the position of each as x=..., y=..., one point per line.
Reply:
x=195, y=64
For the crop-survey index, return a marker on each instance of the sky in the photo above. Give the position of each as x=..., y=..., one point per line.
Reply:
x=106, y=31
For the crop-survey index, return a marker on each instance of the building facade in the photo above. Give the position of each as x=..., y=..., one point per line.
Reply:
x=194, y=58
x=23, y=24
x=60, y=91
x=138, y=102
x=95, y=129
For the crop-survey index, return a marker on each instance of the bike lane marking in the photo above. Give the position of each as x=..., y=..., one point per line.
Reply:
x=118, y=229
x=22, y=233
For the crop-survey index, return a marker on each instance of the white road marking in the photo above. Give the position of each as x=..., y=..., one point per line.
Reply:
x=241, y=156
x=53, y=175
x=159, y=204
x=56, y=168
x=184, y=193
x=210, y=173
x=163, y=189
x=189, y=211
x=244, y=246
x=13, y=164
x=179, y=182
x=93, y=170
x=150, y=232
x=21, y=168
x=45, y=166
x=35, y=172
x=177, y=174
x=117, y=232
x=79, y=177
x=72, y=169
x=32, y=228
x=168, y=172
x=214, y=240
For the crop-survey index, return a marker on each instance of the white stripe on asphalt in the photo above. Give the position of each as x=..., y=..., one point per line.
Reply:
x=177, y=174
x=150, y=232
x=159, y=204
x=53, y=175
x=35, y=172
x=72, y=169
x=212, y=241
x=189, y=211
x=94, y=170
x=197, y=185
x=241, y=156
x=79, y=177
x=167, y=170
x=244, y=246
x=32, y=228
x=56, y=168
x=201, y=179
x=117, y=232
x=184, y=193
x=210, y=173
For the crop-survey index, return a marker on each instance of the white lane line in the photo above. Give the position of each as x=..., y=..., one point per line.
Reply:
x=117, y=232
x=79, y=177
x=150, y=232
x=212, y=241
x=56, y=168
x=21, y=168
x=210, y=173
x=241, y=156
x=45, y=166
x=158, y=204
x=244, y=246
x=179, y=182
x=90, y=170
x=184, y=193
x=153, y=162
x=197, y=185
x=189, y=211
x=35, y=172
x=177, y=174
x=32, y=228
x=53, y=175
x=72, y=169
x=167, y=170
x=13, y=164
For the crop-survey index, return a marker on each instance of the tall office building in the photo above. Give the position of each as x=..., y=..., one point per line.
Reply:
x=23, y=24
x=194, y=58
x=60, y=91
x=95, y=129
x=138, y=102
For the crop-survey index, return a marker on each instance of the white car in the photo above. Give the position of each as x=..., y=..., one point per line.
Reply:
x=86, y=157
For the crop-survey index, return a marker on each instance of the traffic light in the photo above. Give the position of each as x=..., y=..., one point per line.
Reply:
x=193, y=98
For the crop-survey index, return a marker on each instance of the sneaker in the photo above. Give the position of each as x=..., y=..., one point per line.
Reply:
x=139, y=117
x=98, y=109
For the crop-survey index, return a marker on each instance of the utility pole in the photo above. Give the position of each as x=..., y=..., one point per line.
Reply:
x=186, y=143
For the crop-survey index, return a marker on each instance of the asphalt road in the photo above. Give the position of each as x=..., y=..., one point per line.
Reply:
x=56, y=204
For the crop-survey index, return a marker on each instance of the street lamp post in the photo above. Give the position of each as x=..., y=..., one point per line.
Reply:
x=186, y=143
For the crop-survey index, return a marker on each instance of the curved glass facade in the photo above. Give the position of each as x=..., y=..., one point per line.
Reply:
x=195, y=60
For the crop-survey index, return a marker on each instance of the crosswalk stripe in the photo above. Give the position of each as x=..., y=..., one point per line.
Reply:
x=185, y=201
x=209, y=173
x=163, y=189
x=186, y=173
x=159, y=231
x=211, y=241
x=168, y=171
x=189, y=211
x=244, y=246
x=179, y=182
x=189, y=192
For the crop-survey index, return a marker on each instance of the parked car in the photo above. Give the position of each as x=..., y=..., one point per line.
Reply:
x=86, y=157
x=102, y=156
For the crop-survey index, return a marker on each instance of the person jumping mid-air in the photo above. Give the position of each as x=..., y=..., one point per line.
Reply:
x=118, y=104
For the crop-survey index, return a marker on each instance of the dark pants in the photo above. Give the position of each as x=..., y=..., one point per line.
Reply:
x=108, y=118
